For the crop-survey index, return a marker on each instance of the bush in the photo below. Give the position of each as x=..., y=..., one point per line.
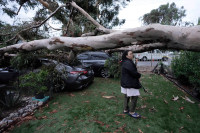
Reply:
x=12, y=99
x=46, y=79
x=186, y=68
x=55, y=81
x=25, y=60
x=33, y=83
x=9, y=97
x=114, y=66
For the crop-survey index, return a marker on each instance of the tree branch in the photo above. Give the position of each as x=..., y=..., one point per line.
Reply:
x=99, y=27
x=54, y=28
x=19, y=9
x=180, y=38
x=20, y=37
x=35, y=26
x=140, y=48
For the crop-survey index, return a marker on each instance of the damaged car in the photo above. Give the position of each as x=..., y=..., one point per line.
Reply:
x=74, y=77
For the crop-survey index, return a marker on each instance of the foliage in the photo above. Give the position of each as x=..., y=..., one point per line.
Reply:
x=54, y=79
x=25, y=60
x=114, y=66
x=186, y=68
x=167, y=14
x=46, y=79
x=9, y=31
x=104, y=11
x=88, y=111
x=12, y=9
x=34, y=82
x=10, y=100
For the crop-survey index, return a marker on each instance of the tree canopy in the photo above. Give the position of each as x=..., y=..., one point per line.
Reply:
x=73, y=23
x=168, y=14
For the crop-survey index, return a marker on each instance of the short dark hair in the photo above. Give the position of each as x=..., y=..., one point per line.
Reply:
x=125, y=53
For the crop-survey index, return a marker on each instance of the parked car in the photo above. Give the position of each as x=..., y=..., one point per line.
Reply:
x=75, y=77
x=154, y=54
x=7, y=74
x=96, y=60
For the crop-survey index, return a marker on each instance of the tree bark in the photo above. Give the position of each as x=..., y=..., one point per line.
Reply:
x=180, y=38
x=139, y=48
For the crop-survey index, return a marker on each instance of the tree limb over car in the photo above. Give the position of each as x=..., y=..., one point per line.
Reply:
x=147, y=37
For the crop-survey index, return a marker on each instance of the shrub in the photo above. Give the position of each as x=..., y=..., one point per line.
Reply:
x=12, y=99
x=34, y=82
x=114, y=66
x=186, y=68
x=46, y=79
x=9, y=97
x=25, y=60
x=54, y=78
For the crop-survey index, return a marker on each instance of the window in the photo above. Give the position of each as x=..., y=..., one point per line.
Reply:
x=83, y=57
x=99, y=57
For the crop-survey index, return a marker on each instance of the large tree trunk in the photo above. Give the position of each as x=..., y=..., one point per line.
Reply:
x=171, y=37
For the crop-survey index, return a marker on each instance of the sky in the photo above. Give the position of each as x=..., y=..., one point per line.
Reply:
x=132, y=12
x=138, y=8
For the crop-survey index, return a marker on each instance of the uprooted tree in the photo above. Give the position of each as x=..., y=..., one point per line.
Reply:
x=140, y=39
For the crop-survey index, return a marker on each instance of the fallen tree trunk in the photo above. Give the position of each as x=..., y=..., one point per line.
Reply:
x=172, y=37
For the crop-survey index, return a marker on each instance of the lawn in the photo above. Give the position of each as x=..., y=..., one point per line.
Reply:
x=87, y=111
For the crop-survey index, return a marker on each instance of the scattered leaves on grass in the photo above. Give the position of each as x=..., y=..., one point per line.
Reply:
x=43, y=117
x=165, y=101
x=181, y=109
x=28, y=118
x=143, y=106
x=123, y=115
x=103, y=93
x=72, y=95
x=108, y=97
x=143, y=117
x=99, y=122
x=40, y=127
x=107, y=126
x=153, y=109
x=120, y=129
x=86, y=101
x=117, y=122
x=54, y=111
x=25, y=119
x=187, y=99
x=52, y=123
x=55, y=103
x=64, y=124
x=180, y=129
x=47, y=105
x=188, y=116
x=140, y=130
x=175, y=98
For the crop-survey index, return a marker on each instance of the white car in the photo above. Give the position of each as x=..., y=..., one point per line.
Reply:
x=153, y=55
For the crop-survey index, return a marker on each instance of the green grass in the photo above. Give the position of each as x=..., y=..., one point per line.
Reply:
x=87, y=111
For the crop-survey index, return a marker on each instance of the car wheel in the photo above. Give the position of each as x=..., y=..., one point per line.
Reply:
x=105, y=73
x=164, y=59
x=144, y=58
